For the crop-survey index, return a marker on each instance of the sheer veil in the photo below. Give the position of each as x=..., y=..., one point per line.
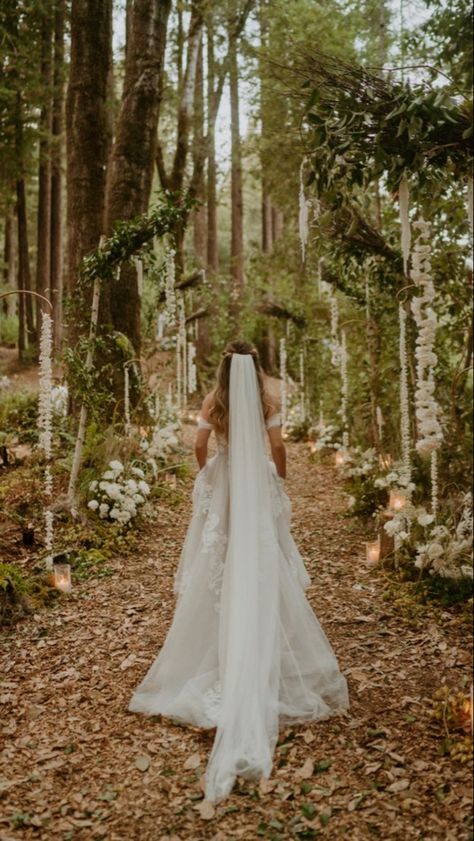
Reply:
x=249, y=656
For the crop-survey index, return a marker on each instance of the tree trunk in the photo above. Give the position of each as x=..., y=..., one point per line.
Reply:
x=212, y=251
x=199, y=214
x=56, y=265
x=24, y=274
x=237, y=244
x=43, y=239
x=9, y=304
x=133, y=154
x=87, y=143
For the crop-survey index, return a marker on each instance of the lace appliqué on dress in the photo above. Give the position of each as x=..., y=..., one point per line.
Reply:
x=214, y=542
x=212, y=701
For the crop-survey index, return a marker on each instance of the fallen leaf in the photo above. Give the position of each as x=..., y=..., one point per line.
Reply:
x=206, y=810
x=192, y=762
x=306, y=771
x=142, y=763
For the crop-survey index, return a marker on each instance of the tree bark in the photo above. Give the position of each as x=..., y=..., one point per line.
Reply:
x=9, y=257
x=87, y=142
x=56, y=257
x=133, y=154
x=24, y=275
x=212, y=249
x=237, y=243
x=43, y=238
x=199, y=214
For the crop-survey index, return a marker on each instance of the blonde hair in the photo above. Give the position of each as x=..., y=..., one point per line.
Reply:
x=219, y=412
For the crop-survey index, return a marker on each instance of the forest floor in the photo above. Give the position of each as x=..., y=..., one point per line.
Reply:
x=77, y=765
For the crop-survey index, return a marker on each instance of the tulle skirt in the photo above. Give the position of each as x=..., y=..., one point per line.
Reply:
x=184, y=681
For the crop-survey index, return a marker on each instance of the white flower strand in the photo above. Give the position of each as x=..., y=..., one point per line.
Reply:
x=404, y=396
x=45, y=404
x=404, y=203
x=192, y=371
x=283, y=381
x=303, y=215
x=335, y=344
x=45, y=424
x=434, y=482
x=344, y=390
x=302, y=386
x=470, y=203
x=170, y=289
x=429, y=431
x=126, y=398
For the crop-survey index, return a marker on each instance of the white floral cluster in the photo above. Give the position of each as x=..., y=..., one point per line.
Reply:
x=396, y=479
x=429, y=429
x=5, y=382
x=119, y=492
x=401, y=523
x=59, y=399
x=360, y=462
x=326, y=436
x=164, y=441
x=443, y=551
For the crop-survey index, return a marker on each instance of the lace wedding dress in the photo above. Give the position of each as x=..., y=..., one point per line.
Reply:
x=245, y=652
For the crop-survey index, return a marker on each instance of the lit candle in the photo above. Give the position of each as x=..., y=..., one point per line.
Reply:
x=372, y=549
x=385, y=460
x=340, y=458
x=62, y=577
x=397, y=500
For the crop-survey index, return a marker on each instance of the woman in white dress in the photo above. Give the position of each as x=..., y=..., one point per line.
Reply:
x=245, y=653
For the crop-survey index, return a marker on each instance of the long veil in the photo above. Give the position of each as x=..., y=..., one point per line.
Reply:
x=249, y=656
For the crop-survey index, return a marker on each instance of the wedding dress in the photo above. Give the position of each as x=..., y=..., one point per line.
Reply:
x=245, y=652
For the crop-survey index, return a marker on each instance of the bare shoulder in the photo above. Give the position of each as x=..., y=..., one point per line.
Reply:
x=273, y=392
x=207, y=405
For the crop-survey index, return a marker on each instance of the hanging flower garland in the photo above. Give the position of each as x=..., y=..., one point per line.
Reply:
x=427, y=410
x=45, y=421
x=126, y=398
x=404, y=205
x=302, y=386
x=470, y=204
x=138, y=263
x=404, y=396
x=181, y=351
x=335, y=344
x=192, y=371
x=303, y=215
x=170, y=287
x=283, y=380
x=344, y=390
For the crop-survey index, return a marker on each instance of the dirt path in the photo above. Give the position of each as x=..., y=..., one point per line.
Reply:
x=68, y=767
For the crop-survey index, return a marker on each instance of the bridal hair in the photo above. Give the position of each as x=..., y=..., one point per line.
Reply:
x=220, y=409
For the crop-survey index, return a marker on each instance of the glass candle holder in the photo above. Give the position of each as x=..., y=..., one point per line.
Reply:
x=372, y=550
x=397, y=500
x=62, y=577
x=340, y=458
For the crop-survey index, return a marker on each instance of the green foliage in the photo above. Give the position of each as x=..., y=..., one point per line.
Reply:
x=14, y=589
x=360, y=128
x=8, y=330
x=18, y=415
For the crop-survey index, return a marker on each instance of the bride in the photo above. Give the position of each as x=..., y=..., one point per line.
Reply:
x=245, y=653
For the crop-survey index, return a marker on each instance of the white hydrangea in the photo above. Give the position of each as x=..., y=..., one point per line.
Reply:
x=119, y=492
